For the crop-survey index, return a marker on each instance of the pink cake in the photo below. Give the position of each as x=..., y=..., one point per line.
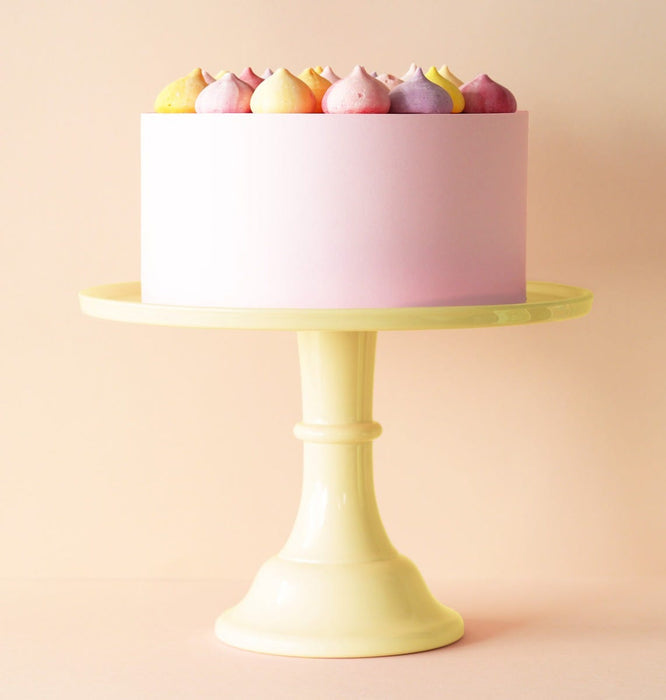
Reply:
x=333, y=210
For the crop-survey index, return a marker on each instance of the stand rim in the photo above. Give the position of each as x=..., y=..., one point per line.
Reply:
x=546, y=301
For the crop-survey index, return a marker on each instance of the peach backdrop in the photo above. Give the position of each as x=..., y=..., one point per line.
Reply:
x=134, y=451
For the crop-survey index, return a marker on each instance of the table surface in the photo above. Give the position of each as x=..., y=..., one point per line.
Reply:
x=545, y=302
x=145, y=639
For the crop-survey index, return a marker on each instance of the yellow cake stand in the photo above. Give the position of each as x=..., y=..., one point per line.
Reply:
x=338, y=588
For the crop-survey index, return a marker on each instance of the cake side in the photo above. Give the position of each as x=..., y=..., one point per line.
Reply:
x=341, y=211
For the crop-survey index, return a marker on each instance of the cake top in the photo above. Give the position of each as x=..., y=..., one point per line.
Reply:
x=319, y=89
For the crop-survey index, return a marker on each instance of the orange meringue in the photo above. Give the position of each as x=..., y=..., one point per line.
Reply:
x=317, y=84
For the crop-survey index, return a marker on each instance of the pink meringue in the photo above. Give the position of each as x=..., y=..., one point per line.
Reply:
x=266, y=74
x=228, y=94
x=418, y=95
x=389, y=80
x=358, y=93
x=483, y=95
x=327, y=72
x=410, y=72
x=207, y=77
x=247, y=75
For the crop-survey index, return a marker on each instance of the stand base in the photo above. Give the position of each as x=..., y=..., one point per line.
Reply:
x=377, y=608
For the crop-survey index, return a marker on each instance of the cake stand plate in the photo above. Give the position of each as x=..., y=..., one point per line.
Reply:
x=338, y=588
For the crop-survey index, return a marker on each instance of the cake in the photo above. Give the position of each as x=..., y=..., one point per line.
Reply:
x=289, y=209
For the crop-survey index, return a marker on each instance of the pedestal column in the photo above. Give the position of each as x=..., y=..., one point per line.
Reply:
x=338, y=521
x=338, y=587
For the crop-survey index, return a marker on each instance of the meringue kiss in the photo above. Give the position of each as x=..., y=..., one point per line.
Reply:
x=181, y=94
x=418, y=95
x=436, y=77
x=483, y=95
x=317, y=84
x=283, y=92
x=228, y=94
x=358, y=93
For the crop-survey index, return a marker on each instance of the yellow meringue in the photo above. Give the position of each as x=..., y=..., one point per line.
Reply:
x=181, y=95
x=446, y=73
x=220, y=74
x=434, y=76
x=284, y=93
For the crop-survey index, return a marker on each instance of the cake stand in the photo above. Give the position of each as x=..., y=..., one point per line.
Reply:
x=338, y=588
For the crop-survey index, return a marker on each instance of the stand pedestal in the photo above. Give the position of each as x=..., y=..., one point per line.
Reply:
x=338, y=588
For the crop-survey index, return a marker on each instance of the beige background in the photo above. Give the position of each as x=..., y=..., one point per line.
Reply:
x=152, y=452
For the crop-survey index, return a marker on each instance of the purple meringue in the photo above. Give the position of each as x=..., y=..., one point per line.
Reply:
x=418, y=95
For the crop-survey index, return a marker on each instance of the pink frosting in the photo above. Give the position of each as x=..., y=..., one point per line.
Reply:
x=228, y=94
x=250, y=77
x=483, y=95
x=418, y=95
x=358, y=93
x=409, y=210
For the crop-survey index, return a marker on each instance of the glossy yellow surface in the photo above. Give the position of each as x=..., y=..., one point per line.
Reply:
x=545, y=302
x=338, y=587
